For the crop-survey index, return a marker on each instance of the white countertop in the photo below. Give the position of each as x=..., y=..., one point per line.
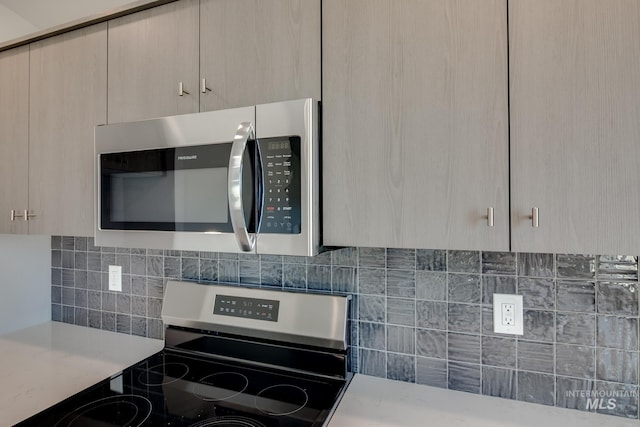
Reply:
x=376, y=402
x=44, y=364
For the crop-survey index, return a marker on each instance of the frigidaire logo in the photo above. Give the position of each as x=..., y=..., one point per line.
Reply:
x=192, y=157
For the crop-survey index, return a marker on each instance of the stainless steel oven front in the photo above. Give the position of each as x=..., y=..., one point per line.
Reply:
x=238, y=180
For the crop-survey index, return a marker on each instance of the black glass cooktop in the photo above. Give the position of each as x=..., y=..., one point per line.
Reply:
x=175, y=389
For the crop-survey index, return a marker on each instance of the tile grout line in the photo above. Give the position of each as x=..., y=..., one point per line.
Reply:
x=555, y=332
x=481, y=325
x=515, y=382
x=415, y=316
x=597, y=311
x=446, y=323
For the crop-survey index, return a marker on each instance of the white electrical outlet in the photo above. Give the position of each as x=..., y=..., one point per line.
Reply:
x=115, y=278
x=507, y=314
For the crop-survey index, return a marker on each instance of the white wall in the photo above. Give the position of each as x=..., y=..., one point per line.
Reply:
x=25, y=281
x=19, y=18
x=13, y=25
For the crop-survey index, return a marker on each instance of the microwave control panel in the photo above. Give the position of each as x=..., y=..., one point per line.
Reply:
x=281, y=164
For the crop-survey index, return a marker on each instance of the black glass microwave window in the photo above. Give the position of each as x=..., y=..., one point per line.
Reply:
x=135, y=196
x=282, y=185
x=173, y=189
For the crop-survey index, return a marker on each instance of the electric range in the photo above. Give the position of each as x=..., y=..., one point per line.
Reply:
x=234, y=356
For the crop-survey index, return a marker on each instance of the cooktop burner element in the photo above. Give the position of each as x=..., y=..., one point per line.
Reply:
x=281, y=399
x=163, y=374
x=220, y=386
x=228, y=422
x=233, y=357
x=122, y=410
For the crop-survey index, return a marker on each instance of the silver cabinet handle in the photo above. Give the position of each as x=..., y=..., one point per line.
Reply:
x=181, y=90
x=535, y=218
x=243, y=134
x=25, y=215
x=490, y=217
x=15, y=215
x=203, y=86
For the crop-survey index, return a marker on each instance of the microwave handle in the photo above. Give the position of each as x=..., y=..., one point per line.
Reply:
x=244, y=133
x=259, y=187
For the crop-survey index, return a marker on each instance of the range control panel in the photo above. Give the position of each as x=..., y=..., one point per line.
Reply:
x=250, y=308
x=281, y=163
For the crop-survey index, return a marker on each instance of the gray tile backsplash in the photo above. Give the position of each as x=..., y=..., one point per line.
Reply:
x=421, y=316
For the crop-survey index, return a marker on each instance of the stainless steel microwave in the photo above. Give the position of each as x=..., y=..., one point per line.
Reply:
x=237, y=180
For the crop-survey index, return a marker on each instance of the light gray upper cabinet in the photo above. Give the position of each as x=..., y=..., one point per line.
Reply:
x=415, y=129
x=575, y=125
x=254, y=52
x=150, y=54
x=224, y=54
x=68, y=97
x=14, y=138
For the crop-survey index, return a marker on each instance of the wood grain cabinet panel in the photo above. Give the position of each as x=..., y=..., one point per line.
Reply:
x=14, y=137
x=68, y=98
x=150, y=53
x=249, y=52
x=256, y=52
x=415, y=129
x=575, y=125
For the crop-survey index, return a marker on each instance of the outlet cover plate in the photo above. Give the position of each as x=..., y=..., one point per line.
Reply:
x=499, y=326
x=115, y=278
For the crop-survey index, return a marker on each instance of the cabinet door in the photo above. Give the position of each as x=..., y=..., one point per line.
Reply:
x=415, y=130
x=255, y=52
x=150, y=54
x=14, y=137
x=575, y=125
x=68, y=76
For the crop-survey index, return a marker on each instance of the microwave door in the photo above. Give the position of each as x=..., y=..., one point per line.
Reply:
x=163, y=183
